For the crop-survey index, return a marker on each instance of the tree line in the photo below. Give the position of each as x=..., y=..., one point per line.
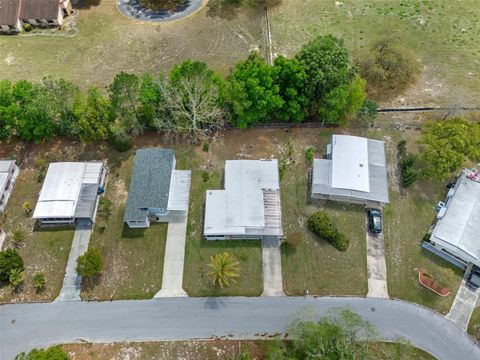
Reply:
x=191, y=100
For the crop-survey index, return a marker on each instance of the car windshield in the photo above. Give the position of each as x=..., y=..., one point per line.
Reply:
x=377, y=222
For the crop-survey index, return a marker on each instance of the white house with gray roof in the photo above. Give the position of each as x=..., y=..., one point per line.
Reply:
x=8, y=173
x=158, y=192
x=249, y=207
x=69, y=192
x=355, y=171
x=456, y=233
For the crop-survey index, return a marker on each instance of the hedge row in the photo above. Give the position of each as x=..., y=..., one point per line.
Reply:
x=321, y=225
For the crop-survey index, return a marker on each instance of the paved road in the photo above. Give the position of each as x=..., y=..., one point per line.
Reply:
x=272, y=267
x=72, y=282
x=23, y=326
x=172, y=279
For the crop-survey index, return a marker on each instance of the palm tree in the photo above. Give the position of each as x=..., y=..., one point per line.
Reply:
x=224, y=269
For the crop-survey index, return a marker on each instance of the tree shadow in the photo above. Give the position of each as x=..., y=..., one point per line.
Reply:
x=85, y=4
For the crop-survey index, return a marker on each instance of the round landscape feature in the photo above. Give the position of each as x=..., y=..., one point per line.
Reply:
x=159, y=10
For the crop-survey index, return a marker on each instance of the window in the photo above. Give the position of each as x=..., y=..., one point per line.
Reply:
x=50, y=21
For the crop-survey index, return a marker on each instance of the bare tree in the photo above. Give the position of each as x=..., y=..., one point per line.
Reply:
x=194, y=106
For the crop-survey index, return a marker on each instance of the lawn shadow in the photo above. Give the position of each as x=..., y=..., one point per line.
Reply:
x=128, y=233
x=85, y=4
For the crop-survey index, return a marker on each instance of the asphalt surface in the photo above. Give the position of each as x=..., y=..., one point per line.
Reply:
x=24, y=326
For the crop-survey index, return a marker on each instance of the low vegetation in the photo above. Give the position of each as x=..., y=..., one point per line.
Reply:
x=51, y=353
x=90, y=264
x=322, y=226
x=224, y=269
x=11, y=266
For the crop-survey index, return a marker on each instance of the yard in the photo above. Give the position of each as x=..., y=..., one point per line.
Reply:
x=443, y=35
x=406, y=220
x=108, y=42
x=42, y=250
x=474, y=324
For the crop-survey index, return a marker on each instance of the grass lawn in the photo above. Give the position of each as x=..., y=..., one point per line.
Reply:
x=314, y=264
x=109, y=42
x=133, y=258
x=45, y=250
x=217, y=349
x=442, y=34
x=406, y=220
x=196, y=280
x=474, y=325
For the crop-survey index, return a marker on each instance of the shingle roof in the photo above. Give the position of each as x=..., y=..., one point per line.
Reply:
x=150, y=184
x=39, y=9
x=9, y=10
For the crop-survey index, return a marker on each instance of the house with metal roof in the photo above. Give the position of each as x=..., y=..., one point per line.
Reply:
x=354, y=171
x=249, y=206
x=70, y=192
x=455, y=235
x=10, y=16
x=8, y=173
x=158, y=192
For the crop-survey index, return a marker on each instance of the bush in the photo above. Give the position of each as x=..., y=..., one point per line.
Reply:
x=27, y=207
x=16, y=277
x=9, y=260
x=90, y=263
x=52, y=353
x=309, y=154
x=121, y=144
x=105, y=209
x=39, y=281
x=18, y=237
x=27, y=27
x=407, y=168
x=205, y=146
x=402, y=148
x=321, y=225
x=205, y=176
x=368, y=111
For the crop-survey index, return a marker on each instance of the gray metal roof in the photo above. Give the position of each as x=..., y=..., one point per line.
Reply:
x=150, y=184
x=458, y=231
x=377, y=176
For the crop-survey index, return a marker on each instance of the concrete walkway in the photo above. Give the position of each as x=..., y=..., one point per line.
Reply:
x=24, y=326
x=464, y=304
x=72, y=282
x=172, y=280
x=376, y=267
x=272, y=267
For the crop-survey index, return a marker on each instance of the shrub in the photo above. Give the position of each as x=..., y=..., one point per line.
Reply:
x=205, y=146
x=205, y=176
x=39, y=281
x=368, y=111
x=52, y=353
x=27, y=207
x=321, y=225
x=402, y=148
x=407, y=168
x=15, y=277
x=18, y=237
x=309, y=154
x=27, y=27
x=121, y=144
x=105, y=207
x=9, y=260
x=90, y=263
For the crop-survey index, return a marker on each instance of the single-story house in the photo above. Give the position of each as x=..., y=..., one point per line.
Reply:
x=14, y=14
x=70, y=192
x=456, y=233
x=157, y=192
x=249, y=207
x=355, y=171
x=10, y=16
x=8, y=173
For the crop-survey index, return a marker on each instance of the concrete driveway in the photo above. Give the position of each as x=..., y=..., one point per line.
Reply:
x=464, y=304
x=272, y=267
x=24, y=326
x=376, y=267
x=172, y=278
x=72, y=282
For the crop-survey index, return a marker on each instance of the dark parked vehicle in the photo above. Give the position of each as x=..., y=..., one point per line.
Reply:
x=375, y=221
x=473, y=279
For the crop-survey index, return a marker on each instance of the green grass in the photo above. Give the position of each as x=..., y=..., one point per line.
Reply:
x=196, y=280
x=474, y=325
x=133, y=258
x=314, y=264
x=108, y=43
x=45, y=250
x=442, y=35
x=406, y=220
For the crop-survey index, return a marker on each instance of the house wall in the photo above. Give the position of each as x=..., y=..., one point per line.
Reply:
x=11, y=29
x=350, y=200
